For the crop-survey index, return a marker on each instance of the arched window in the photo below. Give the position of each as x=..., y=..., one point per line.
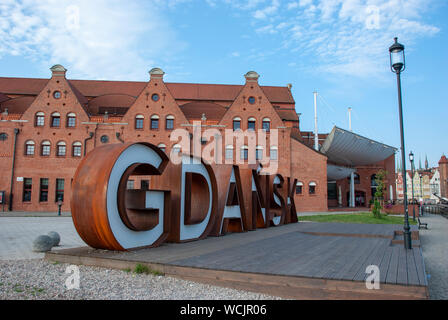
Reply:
x=169, y=124
x=373, y=185
x=251, y=123
x=71, y=120
x=45, y=148
x=299, y=187
x=139, y=119
x=77, y=149
x=266, y=124
x=229, y=152
x=61, y=149
x=236, y=123
x=55, y=120
x=155, y=122
x=29, y=148
x=244, y=153
x=259, y=153
x=274, y=153
x=312, y=187
x=162, y=147
x=40, y=119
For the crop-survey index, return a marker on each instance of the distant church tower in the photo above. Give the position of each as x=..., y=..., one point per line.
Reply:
x=426, y=162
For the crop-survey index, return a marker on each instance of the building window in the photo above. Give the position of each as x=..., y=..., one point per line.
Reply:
x=251, y=124
x=332, y=191
x=251, y=100
x=27, y=186
x=155, y=122
x=57, y=95
x=43, y=192
x=40, y=119
x=169, y=122
x=162, y=147
x=266, y=124
x=77, y=149
x=259, y=153
x=274, y=153
x=155, y=97
x=55, y=120
x=59, y=190
x=312, y=188
x=373, y=185
x=229, y=152
x=29, y=148
x=130, y=185
x=139, y=122
x=71, y=120
x=3, y=136
x=104, y=139
x=299, y=188
x=61, y=149
x=244, y=153
x=236, y=124
x=144, y=184
x=46, y=149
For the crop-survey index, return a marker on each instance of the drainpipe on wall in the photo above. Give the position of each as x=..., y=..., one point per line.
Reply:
x=16, y=132
x=85, y=142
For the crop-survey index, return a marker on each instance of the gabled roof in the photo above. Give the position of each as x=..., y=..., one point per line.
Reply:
x=180, y=91
x=195, y=110
x=17, y=105
x=3, y=97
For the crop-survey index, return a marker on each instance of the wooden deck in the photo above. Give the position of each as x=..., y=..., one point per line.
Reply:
x=303, y=261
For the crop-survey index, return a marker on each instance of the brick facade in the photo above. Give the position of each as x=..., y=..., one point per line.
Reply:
x=107, y=112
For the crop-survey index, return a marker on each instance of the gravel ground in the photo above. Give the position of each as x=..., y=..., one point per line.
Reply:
x=40, y=280
x=435, y=252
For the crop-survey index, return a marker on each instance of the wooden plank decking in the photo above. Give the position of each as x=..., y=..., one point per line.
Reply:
x=333, y=252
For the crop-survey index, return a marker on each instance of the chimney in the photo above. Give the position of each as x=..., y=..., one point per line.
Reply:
x=58, y=71
x=156, y=73
x=252, y=76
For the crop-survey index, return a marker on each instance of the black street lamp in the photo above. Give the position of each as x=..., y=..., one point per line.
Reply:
x=421, y=193
x=411, y=158
x=397, y=65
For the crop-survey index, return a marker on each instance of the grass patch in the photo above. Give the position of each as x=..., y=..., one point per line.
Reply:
x=142, y=269
x=358, y=217
x=127, y=270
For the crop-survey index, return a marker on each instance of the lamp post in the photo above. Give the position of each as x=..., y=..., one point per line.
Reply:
x=397, y=65
x=411, y=158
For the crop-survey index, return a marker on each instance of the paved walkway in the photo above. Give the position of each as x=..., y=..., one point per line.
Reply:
x=435, y=252
x=18, y=233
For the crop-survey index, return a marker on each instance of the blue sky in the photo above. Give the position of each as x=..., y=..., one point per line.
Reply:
x=337, y=47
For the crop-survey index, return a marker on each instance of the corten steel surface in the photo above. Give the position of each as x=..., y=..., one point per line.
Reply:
x=263, y=200
x=89, y=196
x=196, y=198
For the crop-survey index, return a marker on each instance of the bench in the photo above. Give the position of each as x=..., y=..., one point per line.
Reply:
x=422, y=225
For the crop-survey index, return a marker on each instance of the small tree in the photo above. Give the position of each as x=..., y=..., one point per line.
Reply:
x=379, y=194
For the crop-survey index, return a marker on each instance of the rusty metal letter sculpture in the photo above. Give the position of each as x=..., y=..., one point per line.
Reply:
x=186, y=201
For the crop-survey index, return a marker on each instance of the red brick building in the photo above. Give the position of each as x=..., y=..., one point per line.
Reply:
x=48, y=125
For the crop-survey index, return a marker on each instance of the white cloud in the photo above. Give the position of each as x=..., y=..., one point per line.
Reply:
x=267, y=11
x=107, y=39
x=350, y=37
